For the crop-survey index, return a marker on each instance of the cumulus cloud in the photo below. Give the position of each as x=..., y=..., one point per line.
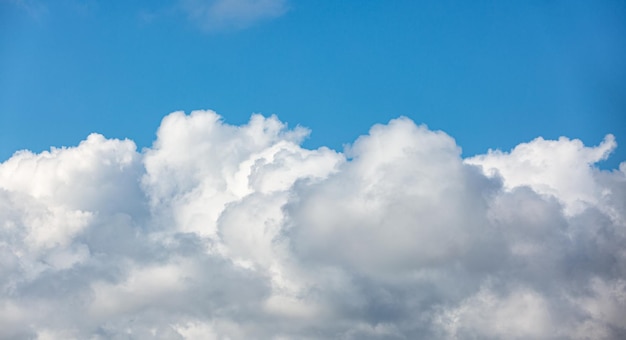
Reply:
x=559, y=167
x=36, y=9
x=220, y=231
x=213, y=15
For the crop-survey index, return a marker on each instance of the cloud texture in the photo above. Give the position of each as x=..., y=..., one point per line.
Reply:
x=238, y=232
x=214, y=15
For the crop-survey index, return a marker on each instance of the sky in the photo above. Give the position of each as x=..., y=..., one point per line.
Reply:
x=292, y=169
x=490, y=73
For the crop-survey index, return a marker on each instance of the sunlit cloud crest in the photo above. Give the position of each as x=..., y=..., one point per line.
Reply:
x=226, y=231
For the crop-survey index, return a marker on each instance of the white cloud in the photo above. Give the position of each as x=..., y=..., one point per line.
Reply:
x=522, y=314
x=213, y=15
x=221, y=231
x=389, y=208
x=562, y=168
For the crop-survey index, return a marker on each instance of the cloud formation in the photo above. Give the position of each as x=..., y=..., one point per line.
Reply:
x=214, y=15
x=220, y=231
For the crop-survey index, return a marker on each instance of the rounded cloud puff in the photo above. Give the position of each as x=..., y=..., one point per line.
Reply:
x=221, y=231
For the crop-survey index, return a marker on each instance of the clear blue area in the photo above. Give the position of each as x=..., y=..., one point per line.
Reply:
x=490, y=73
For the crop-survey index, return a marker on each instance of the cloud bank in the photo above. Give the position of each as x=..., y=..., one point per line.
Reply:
x=238, y=232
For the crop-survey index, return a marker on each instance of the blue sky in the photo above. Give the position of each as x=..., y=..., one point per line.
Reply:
x=491, y=74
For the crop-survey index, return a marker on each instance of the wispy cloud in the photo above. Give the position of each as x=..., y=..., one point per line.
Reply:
x=221, y=231
x=216, y=15
x=34, y=8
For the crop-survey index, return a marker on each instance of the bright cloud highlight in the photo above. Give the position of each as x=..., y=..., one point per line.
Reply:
x=220, y=231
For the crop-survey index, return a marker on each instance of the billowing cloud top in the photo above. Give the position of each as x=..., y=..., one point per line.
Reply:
x=238, y=232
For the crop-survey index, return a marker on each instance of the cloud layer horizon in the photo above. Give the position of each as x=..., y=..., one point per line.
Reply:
x=236, y=232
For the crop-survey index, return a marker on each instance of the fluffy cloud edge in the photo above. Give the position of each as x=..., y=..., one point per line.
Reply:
x=238, y=231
